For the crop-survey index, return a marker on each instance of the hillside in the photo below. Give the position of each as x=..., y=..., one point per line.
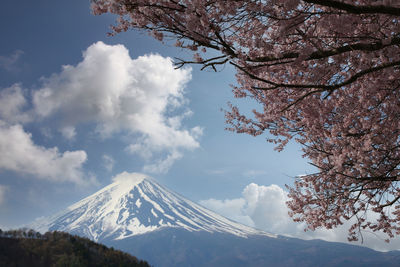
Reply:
x=181, y=248
x=29, y=248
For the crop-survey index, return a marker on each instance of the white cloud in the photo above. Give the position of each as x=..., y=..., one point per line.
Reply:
x=261, y=200
x=129, y=177
x=18, y=153
x=163, y=165
x=230, y=208
x=120, y=94
x=12, y=101
x=3, y=191
x=108, y=162
x=68, y=132
x=10, y=62
x=264, y=207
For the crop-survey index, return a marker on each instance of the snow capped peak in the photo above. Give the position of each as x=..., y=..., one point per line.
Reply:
x=136, y=204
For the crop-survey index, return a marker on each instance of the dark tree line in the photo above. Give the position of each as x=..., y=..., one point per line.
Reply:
x=30, y=248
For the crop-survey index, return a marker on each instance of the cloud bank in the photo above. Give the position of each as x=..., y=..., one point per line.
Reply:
x=18, y=153
x=264, y=207
x=12, y=103
x=143, y=97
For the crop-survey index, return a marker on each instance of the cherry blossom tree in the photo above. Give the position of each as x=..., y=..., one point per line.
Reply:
x=324, y=73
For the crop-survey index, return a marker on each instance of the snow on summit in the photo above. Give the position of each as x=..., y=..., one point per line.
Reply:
x=136, y=204
x=129, y=178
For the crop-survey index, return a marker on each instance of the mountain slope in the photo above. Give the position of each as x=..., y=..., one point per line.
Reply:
x=141, y=217
x=180, y=248
x=135, y=204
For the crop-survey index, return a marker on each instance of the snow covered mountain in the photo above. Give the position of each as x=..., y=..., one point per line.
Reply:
x=139, y=216
x=136, y=204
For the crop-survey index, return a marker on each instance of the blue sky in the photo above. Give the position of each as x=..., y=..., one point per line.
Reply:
x=64, y=135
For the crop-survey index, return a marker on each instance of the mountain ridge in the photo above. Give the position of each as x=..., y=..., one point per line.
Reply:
x=137, y=215
x=136, y=204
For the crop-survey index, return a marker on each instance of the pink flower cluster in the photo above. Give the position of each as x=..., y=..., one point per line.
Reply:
x=324, y=73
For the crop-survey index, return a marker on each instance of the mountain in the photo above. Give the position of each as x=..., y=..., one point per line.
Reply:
x=135, y=204
x=139, y=216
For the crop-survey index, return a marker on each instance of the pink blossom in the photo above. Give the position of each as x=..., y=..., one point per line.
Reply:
x=327, y=76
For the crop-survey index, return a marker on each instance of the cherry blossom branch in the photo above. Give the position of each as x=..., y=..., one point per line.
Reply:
x=322, y=72
x=327, y=53
x=211, y=62
x=391, y=202
x=357, y=9
x=323, y=87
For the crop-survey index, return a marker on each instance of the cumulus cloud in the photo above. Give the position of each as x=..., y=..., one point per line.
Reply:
x=18, y=153
x=143, y=97
x=230, y=208
x=264, y=207
x=12, y=103
x=10, y=62
x=129, y=177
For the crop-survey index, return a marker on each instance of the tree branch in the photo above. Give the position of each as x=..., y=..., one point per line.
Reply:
x=354, y=9
x=327, y=53
x=317, y=86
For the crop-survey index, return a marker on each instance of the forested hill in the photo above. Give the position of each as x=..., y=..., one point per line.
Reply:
x=29, y=248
